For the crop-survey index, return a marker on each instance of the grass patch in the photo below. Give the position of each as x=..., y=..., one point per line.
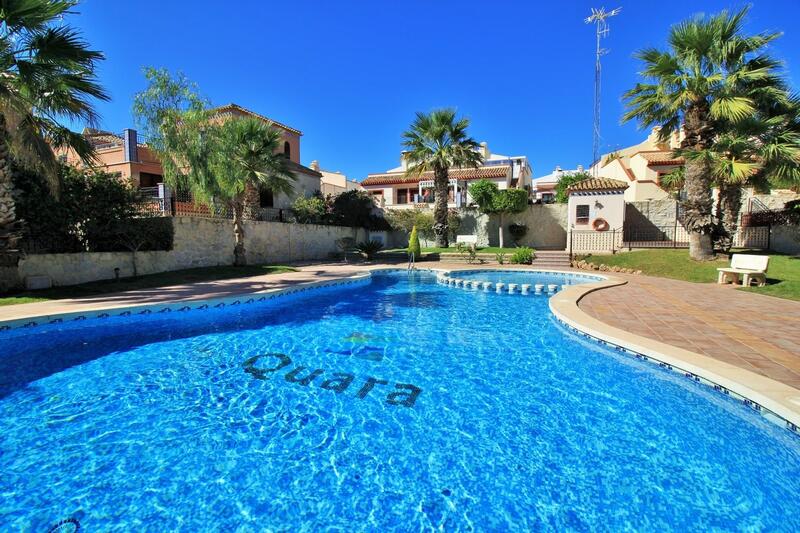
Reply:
x=783, y=275
x=150, y=281
x=454, y=250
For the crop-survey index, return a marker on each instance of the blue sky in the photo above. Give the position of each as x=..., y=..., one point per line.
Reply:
x=352, y=74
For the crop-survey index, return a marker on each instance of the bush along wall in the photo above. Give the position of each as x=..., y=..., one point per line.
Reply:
x=92, y=212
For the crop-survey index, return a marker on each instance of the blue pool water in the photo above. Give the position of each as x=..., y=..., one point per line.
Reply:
x=482, y=413
x=522, y=276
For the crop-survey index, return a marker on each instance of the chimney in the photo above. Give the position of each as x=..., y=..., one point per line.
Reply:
x=314, y=165
x=485, y=150
x=403, y=160
x=130, y=145
x=580, y=168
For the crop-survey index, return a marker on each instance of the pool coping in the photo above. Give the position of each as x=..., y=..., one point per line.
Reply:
x=33, y=320
x=763, y=394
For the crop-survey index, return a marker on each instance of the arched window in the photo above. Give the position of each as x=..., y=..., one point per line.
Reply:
x=287, y=150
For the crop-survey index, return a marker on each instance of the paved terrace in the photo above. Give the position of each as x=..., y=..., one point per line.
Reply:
x=760, y=333
x=752, y=331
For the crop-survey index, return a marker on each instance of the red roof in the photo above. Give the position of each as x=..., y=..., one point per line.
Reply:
x=499, y=171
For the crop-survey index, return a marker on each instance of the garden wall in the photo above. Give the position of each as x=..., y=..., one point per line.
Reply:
x=198, y=242
x=785, y=239
x=547, y=226
x=655, y=213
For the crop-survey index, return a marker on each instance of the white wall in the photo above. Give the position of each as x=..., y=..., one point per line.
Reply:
x=610, y=207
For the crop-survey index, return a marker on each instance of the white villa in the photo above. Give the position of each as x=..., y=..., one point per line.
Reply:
x=395, y=190
x=543, y=189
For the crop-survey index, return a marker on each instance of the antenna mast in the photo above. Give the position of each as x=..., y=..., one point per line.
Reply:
x=599, y=17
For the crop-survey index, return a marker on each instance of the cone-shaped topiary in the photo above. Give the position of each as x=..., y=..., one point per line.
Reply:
x=413, y=243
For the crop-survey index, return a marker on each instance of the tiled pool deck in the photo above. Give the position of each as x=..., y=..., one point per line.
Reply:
x=759, y=333
x=752, y=331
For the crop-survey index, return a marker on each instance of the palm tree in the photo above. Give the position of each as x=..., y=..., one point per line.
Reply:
x=47, y=75
x=247, y=159
x=702, y=79
x=437, y=142
x=219, y=161
x=762, y=150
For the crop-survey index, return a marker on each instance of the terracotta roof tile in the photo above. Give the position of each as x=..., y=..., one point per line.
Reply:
x=598, y=184
x=661, y=158
x=389, y=178
x=234, y=107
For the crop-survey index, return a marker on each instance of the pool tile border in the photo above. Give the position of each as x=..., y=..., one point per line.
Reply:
x=777, y=402
x=361, y=278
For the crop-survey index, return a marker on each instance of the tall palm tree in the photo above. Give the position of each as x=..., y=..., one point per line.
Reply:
x=703, y=78
x=218, y=160
x=762, y=150
x=46, y=76
x=436, y=142
x=246, y=159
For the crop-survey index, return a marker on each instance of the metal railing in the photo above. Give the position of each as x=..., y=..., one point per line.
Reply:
x=181, y=204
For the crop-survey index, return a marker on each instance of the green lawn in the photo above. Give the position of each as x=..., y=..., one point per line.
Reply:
x=783, y=275
x=164, y=279
x=454, y=250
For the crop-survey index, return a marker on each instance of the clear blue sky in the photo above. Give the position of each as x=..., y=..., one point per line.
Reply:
x=351, y=74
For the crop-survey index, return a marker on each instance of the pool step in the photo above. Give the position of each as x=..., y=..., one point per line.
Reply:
x=551, y=259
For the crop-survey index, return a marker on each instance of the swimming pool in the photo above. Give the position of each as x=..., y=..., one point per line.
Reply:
x=395, y=404
x=524, y=276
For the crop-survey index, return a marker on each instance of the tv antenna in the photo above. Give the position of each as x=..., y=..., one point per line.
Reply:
x=599, y=17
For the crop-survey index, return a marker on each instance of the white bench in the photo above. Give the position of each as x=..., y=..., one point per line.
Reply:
x=471, y=240
x=751, y=267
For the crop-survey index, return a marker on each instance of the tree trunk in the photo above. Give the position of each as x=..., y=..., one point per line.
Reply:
x=10, y=227
x=500, y=230
x=730, y=203
x=698, y=206
x=239, y=256
x=441, y=184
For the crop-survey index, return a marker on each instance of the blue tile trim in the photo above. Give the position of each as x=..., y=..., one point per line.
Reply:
x=199, y=305
x=697, y=379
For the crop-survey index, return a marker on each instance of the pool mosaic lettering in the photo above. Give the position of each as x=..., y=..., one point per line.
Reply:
x=404, y=394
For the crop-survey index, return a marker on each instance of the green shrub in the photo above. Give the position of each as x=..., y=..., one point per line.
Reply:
x=483, y=192
x=523, y=256
x=95, y=212
x=500, y=257
x=310, y=210
x=413, y=244
x=565, y=182
x=354, y=208
x=369, y=248
x=468, y=252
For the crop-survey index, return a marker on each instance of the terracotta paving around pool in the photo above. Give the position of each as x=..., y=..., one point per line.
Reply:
x=752, y=331
x=755, y=332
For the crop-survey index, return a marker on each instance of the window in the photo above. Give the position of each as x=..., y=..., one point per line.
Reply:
x=287, y=150
x=265, y=198
x=402, y=196
x=146, y=179
x=581, y=214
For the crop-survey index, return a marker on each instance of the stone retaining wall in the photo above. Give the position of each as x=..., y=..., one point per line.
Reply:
x=198, y=242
